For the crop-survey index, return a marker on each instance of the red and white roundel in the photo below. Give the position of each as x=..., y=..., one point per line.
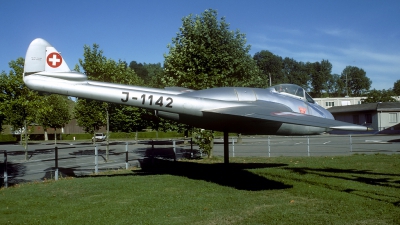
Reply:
x=54, y=59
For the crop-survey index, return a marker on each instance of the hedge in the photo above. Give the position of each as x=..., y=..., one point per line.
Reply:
x=7, y=138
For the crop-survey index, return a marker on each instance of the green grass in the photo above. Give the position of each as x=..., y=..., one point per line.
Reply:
x=358, y=189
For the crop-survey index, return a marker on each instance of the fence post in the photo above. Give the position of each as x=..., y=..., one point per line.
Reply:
x=5, y=170
x=191, y=145
x=351, y=144
x=96, y=160
x=308, y=145
x=126, y=156
x=233, y=147
x=152, y=152
x=56, y=162
x=173, y=144
x=269, y=147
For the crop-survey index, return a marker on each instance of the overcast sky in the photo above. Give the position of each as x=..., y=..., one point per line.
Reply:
x=360, y=33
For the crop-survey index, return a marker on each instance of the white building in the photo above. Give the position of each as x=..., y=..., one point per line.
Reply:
x=342, y=101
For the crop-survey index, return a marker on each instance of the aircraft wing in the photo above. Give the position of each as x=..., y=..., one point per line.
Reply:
x=275, y=112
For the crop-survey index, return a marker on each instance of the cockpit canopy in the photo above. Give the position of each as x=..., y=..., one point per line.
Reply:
x=294, y=90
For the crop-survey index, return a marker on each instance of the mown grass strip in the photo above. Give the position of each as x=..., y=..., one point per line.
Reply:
x=358, y=189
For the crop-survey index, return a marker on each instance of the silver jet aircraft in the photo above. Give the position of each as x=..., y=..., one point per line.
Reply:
x=285, y=109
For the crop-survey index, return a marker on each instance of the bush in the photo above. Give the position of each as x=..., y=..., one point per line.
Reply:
x=7, y=138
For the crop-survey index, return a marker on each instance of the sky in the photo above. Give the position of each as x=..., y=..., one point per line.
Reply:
x=361, y=33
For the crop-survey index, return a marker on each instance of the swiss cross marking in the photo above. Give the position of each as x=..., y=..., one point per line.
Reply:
x=54, y=60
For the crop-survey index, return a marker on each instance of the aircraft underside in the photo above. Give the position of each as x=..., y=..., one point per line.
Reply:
x=229, y=123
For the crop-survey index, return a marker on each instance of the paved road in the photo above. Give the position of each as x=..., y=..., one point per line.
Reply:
x=322, y=145
x=77, y=158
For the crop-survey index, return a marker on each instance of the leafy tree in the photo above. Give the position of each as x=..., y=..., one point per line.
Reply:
x=205, y=140
x=396, y=88
x=379, y=96
x=98, y=67
x=127, y=119
x=53, y=112
x=140, y=70
x=206, y=54
x=155, y=73
x=335, y=85
x=18, y=103
x=320, y=73
x=357, y=81
x=3, y=98
x=295, y=73
x=90, y=114
x=270, y=65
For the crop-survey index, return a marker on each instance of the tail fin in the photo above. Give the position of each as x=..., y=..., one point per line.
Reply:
x=41, y=56
x=43, y=59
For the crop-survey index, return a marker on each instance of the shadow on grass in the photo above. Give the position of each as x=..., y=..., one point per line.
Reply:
x=351, y=175
x=365, y=177
x=14, y=170
x=235, y=175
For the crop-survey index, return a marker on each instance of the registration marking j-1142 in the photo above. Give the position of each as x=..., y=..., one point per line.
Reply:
x=149, y=100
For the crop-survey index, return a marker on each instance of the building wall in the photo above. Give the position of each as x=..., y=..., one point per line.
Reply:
x=385, y=119
x=330, y=102
x=380, y=120
x=359, y=118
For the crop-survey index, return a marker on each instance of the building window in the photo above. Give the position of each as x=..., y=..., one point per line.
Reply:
x=329, y=104
x=368, y=118
x=356, y=119
x=392, y=117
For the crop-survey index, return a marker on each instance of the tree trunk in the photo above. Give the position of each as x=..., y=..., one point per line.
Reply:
x=94, y=137
x=26, y=141
x=239, y=140
x=46, y=137
x=107, y=136
x=212, y=148
x=55, y=136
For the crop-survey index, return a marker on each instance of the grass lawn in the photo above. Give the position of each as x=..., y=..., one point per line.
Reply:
x=358, y=189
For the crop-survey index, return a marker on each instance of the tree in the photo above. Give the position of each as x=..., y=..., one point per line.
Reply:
x=379, y=96
x=335, y=85
x=396, y=88
x=140, y=70
x=53, y=112
x=206, y=54
x=295, y=73
x=127, y=119
x=92, y=115
x=270, y=66
x=155, y=73
x=18, y=103
x=357, y=81
x=205, y=140
x=320, y=73
x=3, y=98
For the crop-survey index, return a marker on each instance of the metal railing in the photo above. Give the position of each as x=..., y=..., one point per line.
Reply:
x=81, y=159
